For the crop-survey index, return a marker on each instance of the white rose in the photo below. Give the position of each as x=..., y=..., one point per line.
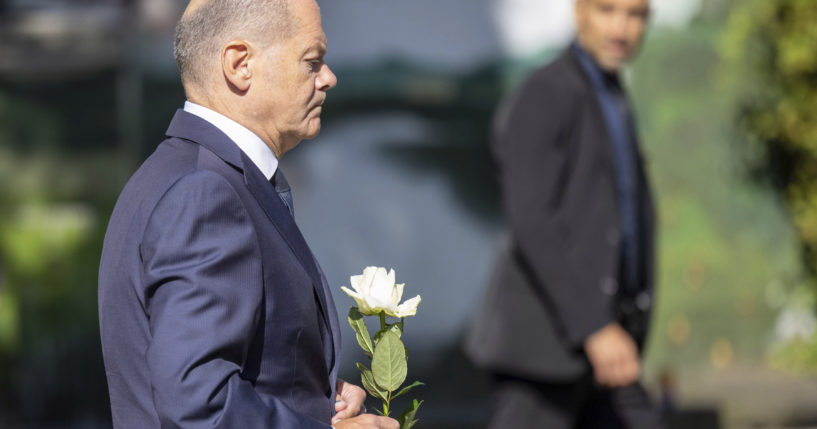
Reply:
x=375, y=291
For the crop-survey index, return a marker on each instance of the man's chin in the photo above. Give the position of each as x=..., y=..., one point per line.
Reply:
x=313, y=130
x=613, y=64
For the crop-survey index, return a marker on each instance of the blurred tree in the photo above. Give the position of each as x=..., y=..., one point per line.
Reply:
x=771, y=46
x=771, y=51
x=52, y=211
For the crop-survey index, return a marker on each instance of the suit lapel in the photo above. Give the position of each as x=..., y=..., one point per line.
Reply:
x=278, y=213
x=333, y=325
x=646, y=202
x=195, y=129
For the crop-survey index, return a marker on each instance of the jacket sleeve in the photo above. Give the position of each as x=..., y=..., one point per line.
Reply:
x=204, y=290
x=544, y=198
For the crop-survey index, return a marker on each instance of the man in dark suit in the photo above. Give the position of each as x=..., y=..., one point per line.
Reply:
x=568, y=306
x=213, y=311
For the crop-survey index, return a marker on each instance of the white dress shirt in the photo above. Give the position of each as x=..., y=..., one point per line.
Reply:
x=259, y=153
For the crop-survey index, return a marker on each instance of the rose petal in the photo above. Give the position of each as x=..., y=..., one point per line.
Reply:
x=408, y=308
x=375, y=291
x=356, y=283
x=368, y=277
x=359, y=299
x=382, y=287
x=397, y=292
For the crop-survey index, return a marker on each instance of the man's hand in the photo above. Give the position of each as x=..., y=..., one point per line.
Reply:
x=614, y=356
x=348, y=401
x=367, y=421
x=349, y=408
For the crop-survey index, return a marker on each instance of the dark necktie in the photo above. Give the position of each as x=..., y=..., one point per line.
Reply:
x=282, y=188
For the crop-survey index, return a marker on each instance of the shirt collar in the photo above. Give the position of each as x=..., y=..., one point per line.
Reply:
x=249, y=143
x=598, y=76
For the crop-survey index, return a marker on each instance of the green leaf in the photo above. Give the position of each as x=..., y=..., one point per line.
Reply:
x=389, y=362
x=406, y=418
x=361, y=332
x=399, y=327
x=369, y=384
x=407, y=389
x=396, y=328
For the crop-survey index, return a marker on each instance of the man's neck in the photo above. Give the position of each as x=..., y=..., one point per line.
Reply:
x=249, y=142
x=229, y=110
x=592, y=69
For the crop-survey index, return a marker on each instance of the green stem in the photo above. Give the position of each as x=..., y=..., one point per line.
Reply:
x=386, y=404
x=387, y=401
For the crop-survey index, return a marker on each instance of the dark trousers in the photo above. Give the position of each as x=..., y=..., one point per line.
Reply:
x=571, y=405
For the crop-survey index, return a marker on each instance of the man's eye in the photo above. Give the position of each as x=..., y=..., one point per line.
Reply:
x=639, y=14
x=605, y=9
x=315, y=65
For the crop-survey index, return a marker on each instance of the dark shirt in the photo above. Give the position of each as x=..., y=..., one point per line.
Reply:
x=619, y=122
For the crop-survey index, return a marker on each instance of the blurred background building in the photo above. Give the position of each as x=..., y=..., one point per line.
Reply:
x=401, y=177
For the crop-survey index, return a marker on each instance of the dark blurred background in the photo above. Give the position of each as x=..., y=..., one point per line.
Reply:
x=726, y=94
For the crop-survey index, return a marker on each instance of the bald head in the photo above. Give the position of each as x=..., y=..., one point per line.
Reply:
x=207, y=25
x=611, y=30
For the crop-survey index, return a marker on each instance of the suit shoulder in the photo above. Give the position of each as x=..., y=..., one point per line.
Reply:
x=554, y=91
x=173, y=166
x=201, y=185
x=171, y=159
x=203, y=196
x=174, y=160
x=559, y=80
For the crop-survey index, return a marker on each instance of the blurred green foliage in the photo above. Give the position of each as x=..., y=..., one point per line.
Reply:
x=770, y=48
x=54, y=202
x=797, y=356
x=723, y=243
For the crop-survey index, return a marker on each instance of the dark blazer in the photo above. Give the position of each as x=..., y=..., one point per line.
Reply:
x=213, y=312
x=556, y=278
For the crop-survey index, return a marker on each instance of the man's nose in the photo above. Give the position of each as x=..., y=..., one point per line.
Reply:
x=326, y=79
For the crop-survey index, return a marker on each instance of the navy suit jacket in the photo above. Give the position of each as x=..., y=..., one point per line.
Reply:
x=213, y=311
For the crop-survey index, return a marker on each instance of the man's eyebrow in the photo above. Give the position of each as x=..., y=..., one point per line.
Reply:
x=318, y=45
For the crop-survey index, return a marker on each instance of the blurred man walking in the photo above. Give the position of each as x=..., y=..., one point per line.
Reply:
x=568, y=307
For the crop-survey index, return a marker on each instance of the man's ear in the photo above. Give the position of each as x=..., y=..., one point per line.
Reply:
x=235, y=64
